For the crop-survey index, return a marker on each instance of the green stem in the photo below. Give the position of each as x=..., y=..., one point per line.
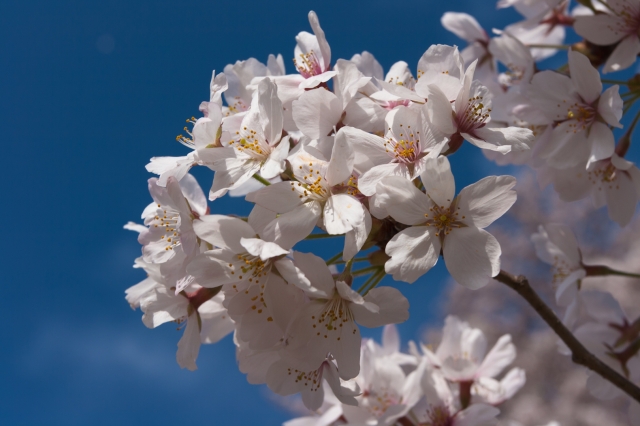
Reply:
x=355, y=260
x=367, y=282
x=319, y=236
x=625, y=141
x=334, y=260
x=378, y=277
x=261, y=180
x=365, y=271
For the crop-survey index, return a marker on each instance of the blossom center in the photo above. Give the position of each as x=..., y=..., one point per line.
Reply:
x=249, y=142
x=439, y=415
x=169, y=221
x=474, y=116
x=406, y=148
x=583, y=114
x=443, y=219
x=309, y=65
x=250, y=265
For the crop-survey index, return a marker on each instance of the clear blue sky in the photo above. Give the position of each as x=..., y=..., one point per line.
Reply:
x=89, y=92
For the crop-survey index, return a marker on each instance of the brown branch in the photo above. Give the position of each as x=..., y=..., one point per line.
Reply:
x=580, y=354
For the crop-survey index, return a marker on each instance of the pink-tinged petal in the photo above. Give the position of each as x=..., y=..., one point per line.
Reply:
x=279, y=197
x=413, y=252
x=270, y=108
x=263, y=249
x=438, y=181
x=342, y=160
x=342, y=213
x=463, y=96
x=393, y=308
x=275, y=163
x=369, y=150
x=291, y=227
x=584, y=76
x=403, y=201
x=439, y=111
x=472, y=256
x=601, y=141
x=316, y=112
x=343, y=393
x=598, y=29
x=483, y=202
x=610, y=106
x=316, y=271
x=347, y=351
x=279, y=381
x=223, y=231
x=621, y=199
x=499, y=357
x=316, y=80
x=325, y=50
x=189, y=344
x=563, y=243
x=624, y=55
x=348, y=81
x=501, y=139
x=369, y=180
x=464, y=26
x=477, y=415
x=193, y=194
x=440, y=65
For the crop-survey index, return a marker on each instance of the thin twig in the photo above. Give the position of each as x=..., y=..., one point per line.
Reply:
x=580, y=354
x=261, y=180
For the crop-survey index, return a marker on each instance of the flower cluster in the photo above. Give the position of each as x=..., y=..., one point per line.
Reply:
x=343, y=149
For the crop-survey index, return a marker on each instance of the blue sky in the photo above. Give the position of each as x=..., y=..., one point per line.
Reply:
x=90, y=91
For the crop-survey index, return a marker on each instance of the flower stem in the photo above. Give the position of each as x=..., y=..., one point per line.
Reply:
x=378, y=277
x=625, y=140
x=368, y=282
x=261, y=180
x=549, y=46
x=319, y=236
x=335, y=259
x=580, y=354
x=365, y=271
x=600, y=270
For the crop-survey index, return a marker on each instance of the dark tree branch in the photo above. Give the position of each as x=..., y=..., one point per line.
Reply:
x=580, y=354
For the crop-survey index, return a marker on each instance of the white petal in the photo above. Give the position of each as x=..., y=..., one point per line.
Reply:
x=325, y=50
x=464, y=26
x=278, y=197
x=477, y=415
x=486, y=200
x=223, y=231
x=599, y=29
x=270, y=111
x=263, y=249
x=291, y=227
x=439, y=111
x=403, y=201
x=413, y=252
x=393, y=308
x=501, y=139
x=499, y=357
x=368, y=182
x=316, y=271
x=438, y=181
x=342, y=160
x=369, y=150
x=316, y=112
x=189, y=344
x=610, y=106
x=601, y=141
x=624, y=55
x=472, y=256
x=621, y=199
x=584, y=76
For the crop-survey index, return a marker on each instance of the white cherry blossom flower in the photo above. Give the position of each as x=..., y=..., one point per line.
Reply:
x=409, y=142
x=613, y=181
x=470, y=118
x=556, y=245
x=438, y=221
x=462, y=354
x=327, y=324
x=207, y=321
x=583, y=113
x=324, y=190
x=169, y=219
x=619, y=24
x=256, y=147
